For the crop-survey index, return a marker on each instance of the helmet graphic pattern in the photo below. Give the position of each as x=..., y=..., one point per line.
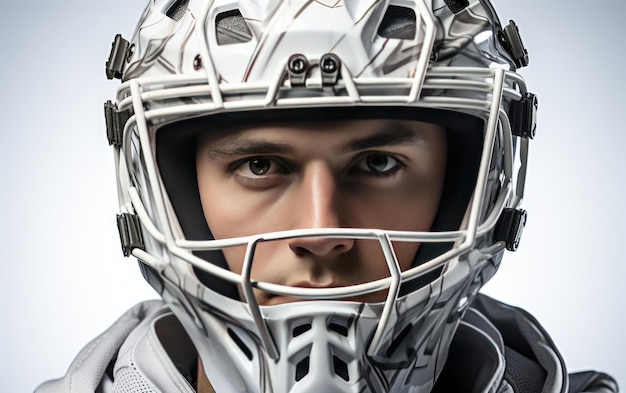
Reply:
x=412, y=59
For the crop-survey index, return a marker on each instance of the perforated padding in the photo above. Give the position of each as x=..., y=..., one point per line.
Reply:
x=398, y=22
x=523, y=374
x=177, y=9
x=231, y=28
x=129, y=380
x=457, y=6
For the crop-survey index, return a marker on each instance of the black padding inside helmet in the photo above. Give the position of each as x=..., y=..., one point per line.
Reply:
x=399, y=23
x=176, y=158
x=176, y=9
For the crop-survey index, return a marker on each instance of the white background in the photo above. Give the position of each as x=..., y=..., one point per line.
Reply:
x=64, y=279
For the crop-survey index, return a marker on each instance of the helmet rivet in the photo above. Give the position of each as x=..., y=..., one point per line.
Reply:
x=197, y=62
x=329, y=64
x=297, y=64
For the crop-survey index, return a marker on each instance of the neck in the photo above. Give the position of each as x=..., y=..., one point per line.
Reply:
x=204, y=386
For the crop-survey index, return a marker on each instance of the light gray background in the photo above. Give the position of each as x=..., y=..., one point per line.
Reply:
x=64, y=279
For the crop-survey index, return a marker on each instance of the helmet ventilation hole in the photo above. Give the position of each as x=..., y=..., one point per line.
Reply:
x=337, y=328
x=244, y=349
x=341, y=368
x=457, y=6
x=301, y=329
x=302, y=368
x=176, y=9
x=399, y=23
x=231, y=28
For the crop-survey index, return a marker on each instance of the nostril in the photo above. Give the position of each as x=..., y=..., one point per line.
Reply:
x=344, y=246
x=299, y=251
x=320, y=246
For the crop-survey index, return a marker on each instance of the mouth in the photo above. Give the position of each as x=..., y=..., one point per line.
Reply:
x=270, y=299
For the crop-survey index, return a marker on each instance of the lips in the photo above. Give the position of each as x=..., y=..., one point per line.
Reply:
x=308, y=284
x=269, y=299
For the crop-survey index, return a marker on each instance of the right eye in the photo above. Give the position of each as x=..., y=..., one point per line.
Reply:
x=259, y=166
x=260, y=171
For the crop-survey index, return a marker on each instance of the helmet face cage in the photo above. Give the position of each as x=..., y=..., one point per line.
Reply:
x=199, y=59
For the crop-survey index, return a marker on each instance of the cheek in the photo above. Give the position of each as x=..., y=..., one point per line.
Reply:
x=227, y=211
x=406, y=252
x=234, y=257
x=411, y=207
x=416, y=203
x=217, y=210
x=371, y=263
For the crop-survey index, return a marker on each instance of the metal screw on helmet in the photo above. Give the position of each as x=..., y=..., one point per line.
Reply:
x=296, y=68
x=457, y=6
x=197, y=62
x=329, y=65
x=297, y=64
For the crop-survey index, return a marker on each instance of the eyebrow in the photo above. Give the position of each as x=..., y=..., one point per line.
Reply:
x=391, y=134
x=249, y=148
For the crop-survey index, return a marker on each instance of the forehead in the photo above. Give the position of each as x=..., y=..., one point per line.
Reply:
x=352, y=133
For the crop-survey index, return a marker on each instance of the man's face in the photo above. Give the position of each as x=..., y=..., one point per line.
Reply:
x=351, y=174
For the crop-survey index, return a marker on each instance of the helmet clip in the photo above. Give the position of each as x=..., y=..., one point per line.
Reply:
x=523, y=116
x=115, y=121
x=512, y=41
x=510, y=226
x=130, y=232
x=120, y=51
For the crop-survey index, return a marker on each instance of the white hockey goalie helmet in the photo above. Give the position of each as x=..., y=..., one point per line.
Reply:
x=209, y=64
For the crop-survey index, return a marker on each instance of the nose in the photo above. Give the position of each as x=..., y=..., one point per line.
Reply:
x=318, y=208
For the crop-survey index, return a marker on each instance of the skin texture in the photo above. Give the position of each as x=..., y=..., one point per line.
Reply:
x=382, y=174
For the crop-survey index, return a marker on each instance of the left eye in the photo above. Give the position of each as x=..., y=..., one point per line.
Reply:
x=260, y=166
x=378, y=163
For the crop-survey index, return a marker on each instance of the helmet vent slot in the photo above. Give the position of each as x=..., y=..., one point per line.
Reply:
x=399, y=23
x=176, y=9
x=237, y=340
x=398, y=340
x=341, y=368
x=231, y=28
x=337, y=328
x=301, y=329
x=302, y=368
